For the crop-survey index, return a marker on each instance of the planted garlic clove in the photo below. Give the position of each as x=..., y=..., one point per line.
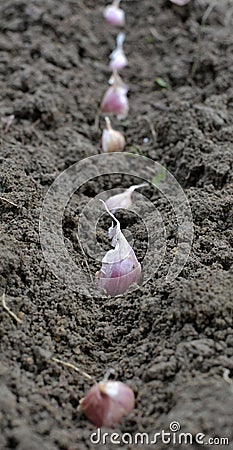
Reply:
x=117, y=57
x=115, y=100
x=112, y=140
x=114, y=15
x=118, y=60
x=107, y=402
x=123, y=200
x=120, y=267
x=115, y=284
x=180, y=2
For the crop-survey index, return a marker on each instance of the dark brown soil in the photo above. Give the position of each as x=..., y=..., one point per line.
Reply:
x=172, y=344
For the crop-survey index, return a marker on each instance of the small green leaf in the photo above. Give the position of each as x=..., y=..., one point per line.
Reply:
x=161, y=176
x=162, y=83
x=149, y=39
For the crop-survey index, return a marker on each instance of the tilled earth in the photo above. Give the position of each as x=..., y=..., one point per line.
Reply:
x=173, y=344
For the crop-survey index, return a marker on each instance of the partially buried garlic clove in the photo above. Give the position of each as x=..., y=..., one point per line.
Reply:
x=112, y=140
x=120, y=267
x=107, y=402
x=115, y=100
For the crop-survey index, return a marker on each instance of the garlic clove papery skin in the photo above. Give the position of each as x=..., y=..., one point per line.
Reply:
x=114, y=15
x=107, y=402
x=120, y=267
x=112, y=140
x=123, y=200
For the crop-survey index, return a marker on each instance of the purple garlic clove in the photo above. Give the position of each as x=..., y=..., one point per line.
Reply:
x=120, y=267
x=107, y=402
x=122, y=200
x=115, y=100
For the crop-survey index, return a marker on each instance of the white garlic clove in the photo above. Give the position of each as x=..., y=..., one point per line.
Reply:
x=117, y=57
x=107, y=402
x=114, y=15
x=118, y=60
x=123, y=200
x=112, y=140
x=180, y=2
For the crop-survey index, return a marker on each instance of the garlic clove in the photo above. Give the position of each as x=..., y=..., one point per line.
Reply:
x=120, y=267
x=112, y=140
x=117, y=285
x=117, y=57
x=118, y=60
x=115, y=100
x=123, y=200
x=107, y=402
x=180, y=2
x=114, y=15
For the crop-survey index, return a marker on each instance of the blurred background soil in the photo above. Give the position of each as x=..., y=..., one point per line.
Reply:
x=172, y=344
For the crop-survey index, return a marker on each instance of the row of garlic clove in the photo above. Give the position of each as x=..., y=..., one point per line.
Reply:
x=114, y=15
x=108, y=401
x=120, y=267
x=115, y=100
